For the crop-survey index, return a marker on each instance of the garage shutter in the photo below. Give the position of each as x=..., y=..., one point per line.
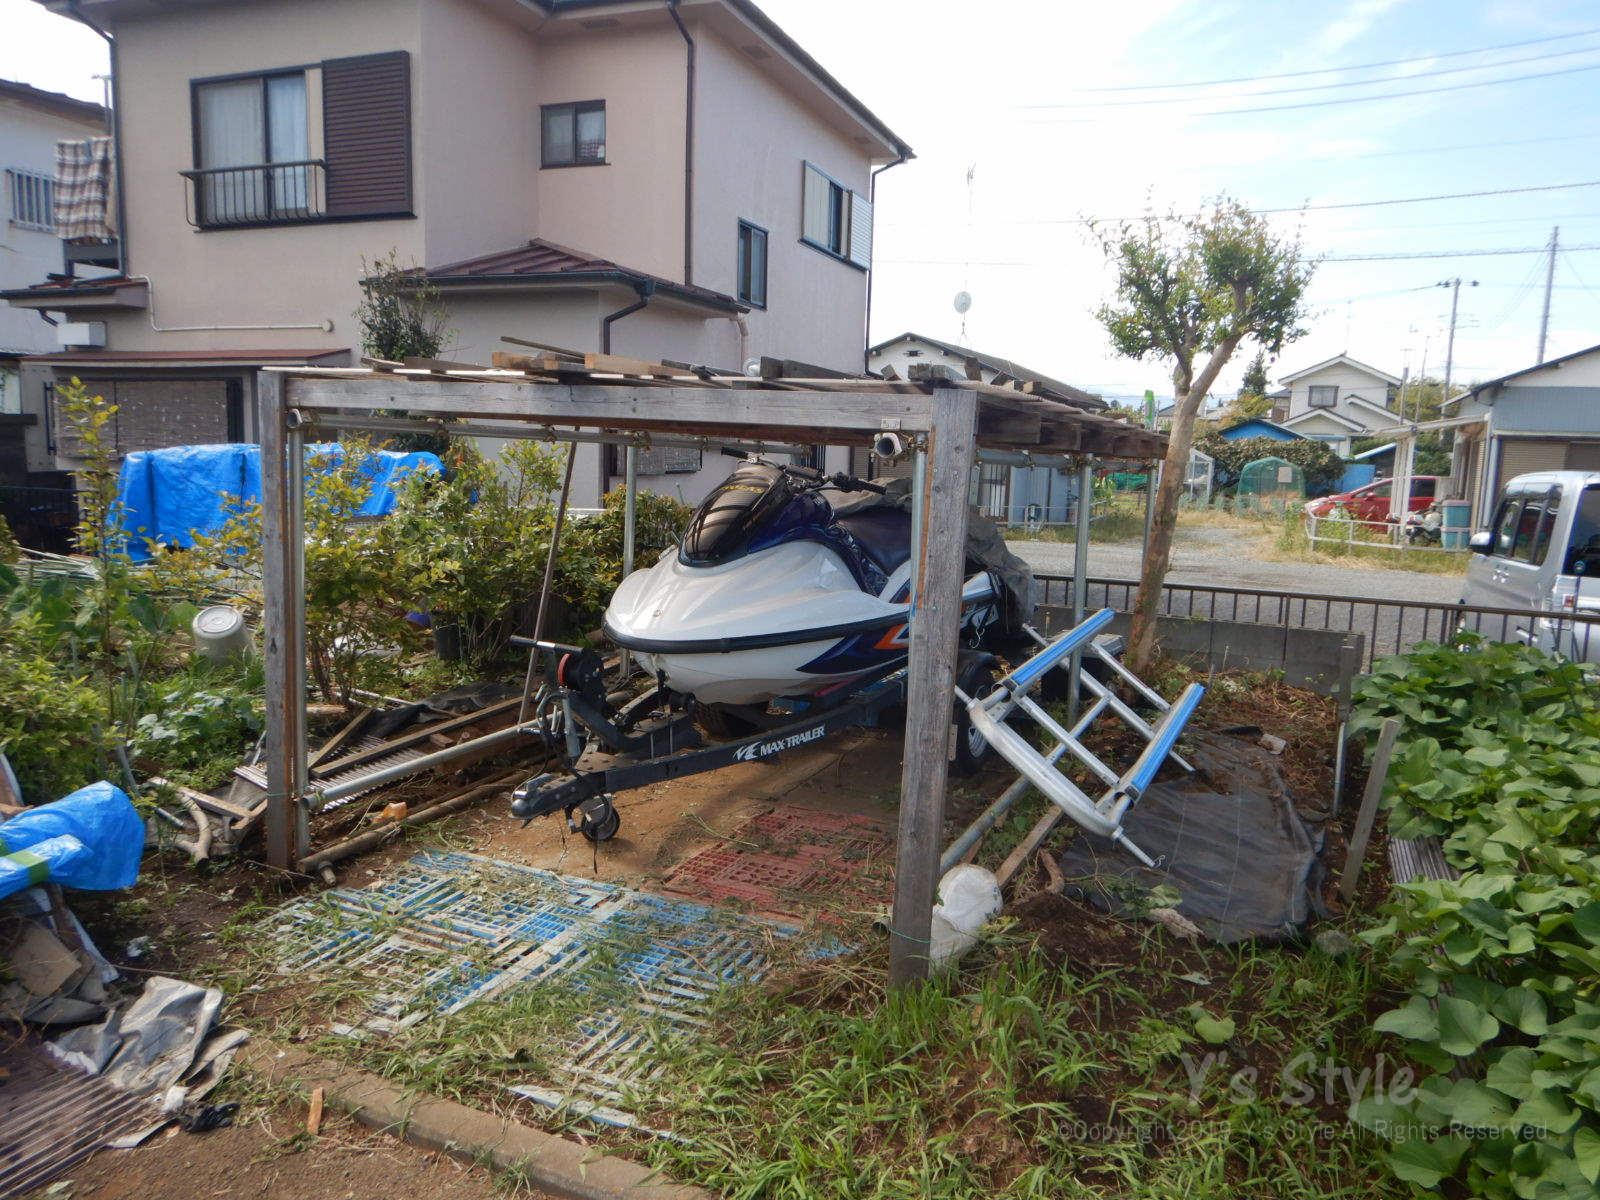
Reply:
x=366, y=134
x=1583, y=456
x=1521, y=456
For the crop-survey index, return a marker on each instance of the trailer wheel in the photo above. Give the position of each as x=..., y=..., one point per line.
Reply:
x=598, y=819
x=975, y=677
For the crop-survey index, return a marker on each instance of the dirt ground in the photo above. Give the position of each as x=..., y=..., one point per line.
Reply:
x=270, y=1156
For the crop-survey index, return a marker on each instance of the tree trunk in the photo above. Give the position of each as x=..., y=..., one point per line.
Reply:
x=1158, y=554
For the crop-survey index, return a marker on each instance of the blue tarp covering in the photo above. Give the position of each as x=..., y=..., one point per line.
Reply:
x=91, y=839
x=169, y=495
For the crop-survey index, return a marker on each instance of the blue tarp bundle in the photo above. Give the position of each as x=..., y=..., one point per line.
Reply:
x=169, y=495
x=91, y=839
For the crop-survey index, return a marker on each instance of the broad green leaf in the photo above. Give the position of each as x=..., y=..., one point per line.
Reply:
x=1212, y=1030
x=1522, y=1009
x=1586, y=923
x=1463, y=1025
x=1415, y=1019
x=1473, y=1106
x=1546, y=1112
x=1427, y=1163
x=1586, y=1152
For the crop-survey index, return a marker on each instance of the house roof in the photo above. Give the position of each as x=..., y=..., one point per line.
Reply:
x=54, y=102
x=1259, y=421
x=1380, y=410
x=1347, y=361
x=1003, y=366
x=540, y=263
x=1504, y=379
x=1374, y=452
x=1336, y=417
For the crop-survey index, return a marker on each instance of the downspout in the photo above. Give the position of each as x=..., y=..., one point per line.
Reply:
x=866, y=329
x=645, y=290
x=688, y=143
x=116, y=136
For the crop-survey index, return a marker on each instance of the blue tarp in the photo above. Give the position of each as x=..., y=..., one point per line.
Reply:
x=169, y=495
x=91, y=839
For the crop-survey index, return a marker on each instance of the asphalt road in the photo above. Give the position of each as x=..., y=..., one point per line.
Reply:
x=1213, y=557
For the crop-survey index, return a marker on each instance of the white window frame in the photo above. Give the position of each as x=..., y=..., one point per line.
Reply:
x=1331, y=390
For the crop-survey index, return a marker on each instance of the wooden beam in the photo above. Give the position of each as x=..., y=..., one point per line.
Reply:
x=558, y=351
x=935, y=636
x=1367, y=814
x=803, y=417
x=282, y=621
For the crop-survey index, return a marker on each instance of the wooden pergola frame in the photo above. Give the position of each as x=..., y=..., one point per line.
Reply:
x=943, y=421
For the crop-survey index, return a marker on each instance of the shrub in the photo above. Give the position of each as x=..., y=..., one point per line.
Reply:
x=1322, y=467
x=52, y=722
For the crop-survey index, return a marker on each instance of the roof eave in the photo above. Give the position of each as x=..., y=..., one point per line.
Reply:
x=570, y=279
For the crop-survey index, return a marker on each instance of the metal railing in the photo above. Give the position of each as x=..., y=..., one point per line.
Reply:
x=1389, y=626
x=1352, y=533
x=40, y=518
x=264, y=194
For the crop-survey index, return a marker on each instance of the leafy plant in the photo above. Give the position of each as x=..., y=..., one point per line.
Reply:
x=53, y=719
x=1322, y=467
x=1500, y=757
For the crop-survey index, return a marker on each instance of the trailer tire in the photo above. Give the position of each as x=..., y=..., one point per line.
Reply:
x=975, y=676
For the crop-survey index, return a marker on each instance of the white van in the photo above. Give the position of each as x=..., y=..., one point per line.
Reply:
x=1541, y=553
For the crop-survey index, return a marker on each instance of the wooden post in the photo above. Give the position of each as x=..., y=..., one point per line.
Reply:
x=1080, y=576
x=938, y=562
x=1369, y=809
x=283, y=622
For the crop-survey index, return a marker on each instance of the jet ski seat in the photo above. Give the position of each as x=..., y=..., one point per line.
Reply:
x=884, y=533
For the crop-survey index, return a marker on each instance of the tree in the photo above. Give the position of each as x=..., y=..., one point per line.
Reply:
x=1252, y=398
x=402, y=316
x=1191, y=290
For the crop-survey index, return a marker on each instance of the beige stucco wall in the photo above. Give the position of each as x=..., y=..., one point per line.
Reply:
x=630, y=209
x=290, y=275
x=753, y=138
x=477, y=126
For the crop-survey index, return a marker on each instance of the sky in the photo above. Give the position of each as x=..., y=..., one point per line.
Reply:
x=1062, y=112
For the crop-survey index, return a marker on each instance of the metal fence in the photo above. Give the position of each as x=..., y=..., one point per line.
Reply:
x=40, y=518
x=1389, y=626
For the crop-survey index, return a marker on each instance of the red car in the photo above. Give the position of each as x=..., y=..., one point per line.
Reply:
x=1370, y=504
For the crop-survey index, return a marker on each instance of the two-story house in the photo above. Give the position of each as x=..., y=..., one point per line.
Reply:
x=1338, y=401
x=35, y=502
x=661, y=180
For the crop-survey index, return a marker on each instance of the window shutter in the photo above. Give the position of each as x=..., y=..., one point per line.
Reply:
x=816, y=197
x=366, y=134
x=860, y=230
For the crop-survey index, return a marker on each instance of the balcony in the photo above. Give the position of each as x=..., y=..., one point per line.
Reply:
x=287, y=193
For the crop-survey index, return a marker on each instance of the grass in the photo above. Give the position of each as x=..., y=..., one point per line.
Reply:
x=1027, y=1070
x=1293, y=544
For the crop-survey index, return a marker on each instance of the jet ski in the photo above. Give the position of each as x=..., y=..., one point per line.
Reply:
x=781, y=587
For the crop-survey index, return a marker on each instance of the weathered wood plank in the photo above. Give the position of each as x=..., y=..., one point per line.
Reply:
x=282, y=621
x=1368, y=812
x=934, y=643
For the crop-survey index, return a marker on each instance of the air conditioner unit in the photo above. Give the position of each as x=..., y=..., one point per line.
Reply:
x=79, y=335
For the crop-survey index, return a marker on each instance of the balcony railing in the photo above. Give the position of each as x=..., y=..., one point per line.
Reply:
x=266, y=194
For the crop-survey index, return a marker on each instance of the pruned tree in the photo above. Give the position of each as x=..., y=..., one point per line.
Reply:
x=1192, y=290
x=1252, y=398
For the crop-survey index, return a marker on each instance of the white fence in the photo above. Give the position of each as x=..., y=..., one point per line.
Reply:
x=1343, y=530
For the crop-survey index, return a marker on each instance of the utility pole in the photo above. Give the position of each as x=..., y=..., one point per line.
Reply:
x=1450, y=346
x=1549, y=286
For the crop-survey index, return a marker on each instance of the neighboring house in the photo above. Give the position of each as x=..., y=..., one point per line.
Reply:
x=1338, y=401
x=1541, y=418
x=1013, y=495
x=548, y=163
x=1252, y=427
x=1280, y=405
x=36, y=502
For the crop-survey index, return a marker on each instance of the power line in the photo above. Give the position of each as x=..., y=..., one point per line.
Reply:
x=1318, y=87
x=1453, y=87
x=1543, y=187
x=1545, y=249
x=1393, y=62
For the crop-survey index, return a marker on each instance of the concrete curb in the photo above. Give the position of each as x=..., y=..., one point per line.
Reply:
x=545, y=1160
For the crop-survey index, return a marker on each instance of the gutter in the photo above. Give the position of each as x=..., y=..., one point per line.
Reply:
x=688, y=142
x=645, y=290
x=115, y=116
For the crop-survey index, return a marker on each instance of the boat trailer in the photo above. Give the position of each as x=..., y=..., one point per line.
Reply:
x=654, y=737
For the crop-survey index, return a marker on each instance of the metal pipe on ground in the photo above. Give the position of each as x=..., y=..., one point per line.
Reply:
x=314, y=863
x=327, y=793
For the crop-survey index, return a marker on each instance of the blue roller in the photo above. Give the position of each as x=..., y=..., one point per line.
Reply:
x=1074, y=638
x=1166, y=737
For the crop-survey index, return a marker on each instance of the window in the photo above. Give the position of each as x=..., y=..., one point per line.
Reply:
x=252, y=150
x=752, y=264
x=1322, y=396
x=574, y=134
x=834, y=219
x=33, y=199
x=1547, y=525
x=1505, y=525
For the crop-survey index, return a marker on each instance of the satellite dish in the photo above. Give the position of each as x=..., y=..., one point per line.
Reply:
x=752, y=368
x=963, y=301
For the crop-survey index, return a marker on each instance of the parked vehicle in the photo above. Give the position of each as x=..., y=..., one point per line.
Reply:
x=1371, y=504
x=1540, y=554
